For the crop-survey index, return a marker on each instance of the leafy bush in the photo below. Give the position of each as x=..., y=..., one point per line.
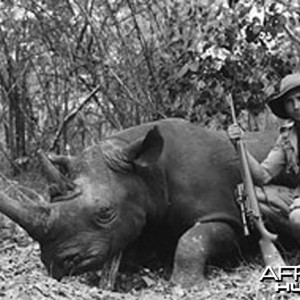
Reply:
x=74, y=72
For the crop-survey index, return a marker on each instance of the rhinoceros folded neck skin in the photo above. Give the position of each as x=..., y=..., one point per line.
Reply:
x=32, y=217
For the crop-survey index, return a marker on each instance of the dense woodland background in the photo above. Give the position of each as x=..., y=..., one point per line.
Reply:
x=75, y=71
x=72, y=72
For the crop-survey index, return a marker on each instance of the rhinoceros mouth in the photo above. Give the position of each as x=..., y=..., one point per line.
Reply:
x=74, y=266
x=87, y=264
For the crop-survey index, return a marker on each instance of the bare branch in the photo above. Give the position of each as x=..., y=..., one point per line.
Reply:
x=13, y=164
x=131, y=96
x=291, y=34
x=72, y=115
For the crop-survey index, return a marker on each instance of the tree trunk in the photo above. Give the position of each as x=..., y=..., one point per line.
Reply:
x=16, y=136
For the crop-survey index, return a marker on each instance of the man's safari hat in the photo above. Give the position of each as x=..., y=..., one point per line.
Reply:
x=288, y=84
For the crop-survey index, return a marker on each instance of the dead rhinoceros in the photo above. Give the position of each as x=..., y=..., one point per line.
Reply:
x=169, y=175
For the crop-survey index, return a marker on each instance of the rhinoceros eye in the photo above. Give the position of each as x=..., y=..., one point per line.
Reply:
x=105, y=215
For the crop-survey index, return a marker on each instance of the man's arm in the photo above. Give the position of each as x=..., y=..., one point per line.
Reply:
x=261, y=176
x=264, y=172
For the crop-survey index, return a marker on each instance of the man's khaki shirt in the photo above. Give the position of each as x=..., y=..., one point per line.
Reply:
x=284, y=155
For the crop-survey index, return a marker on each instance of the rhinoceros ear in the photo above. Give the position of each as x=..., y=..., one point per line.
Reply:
x=147, y=150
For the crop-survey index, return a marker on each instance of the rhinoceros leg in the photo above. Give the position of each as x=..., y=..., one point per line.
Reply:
x=201, y=243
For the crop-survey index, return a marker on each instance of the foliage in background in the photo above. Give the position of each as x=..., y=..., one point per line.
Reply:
x=74, y=71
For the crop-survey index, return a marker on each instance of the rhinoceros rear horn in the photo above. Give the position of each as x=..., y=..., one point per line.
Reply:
x=54, y=174
x=34, y=218
x=50, y=162
x=63, y=162
x=147, y=150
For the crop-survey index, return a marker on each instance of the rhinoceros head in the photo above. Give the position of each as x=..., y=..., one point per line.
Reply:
x=107, y=209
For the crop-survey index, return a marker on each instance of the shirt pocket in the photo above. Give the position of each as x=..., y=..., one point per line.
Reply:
x=291, y=158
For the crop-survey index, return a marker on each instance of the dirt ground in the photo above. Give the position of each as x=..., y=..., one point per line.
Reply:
x=23, y=276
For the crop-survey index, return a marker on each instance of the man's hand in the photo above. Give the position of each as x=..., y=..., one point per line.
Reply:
x=235, y=132
x=296, y=204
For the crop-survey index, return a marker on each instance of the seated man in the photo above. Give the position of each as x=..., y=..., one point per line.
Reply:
x=280, y=204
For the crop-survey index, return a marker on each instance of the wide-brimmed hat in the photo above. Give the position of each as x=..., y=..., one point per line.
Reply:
x=276, y=101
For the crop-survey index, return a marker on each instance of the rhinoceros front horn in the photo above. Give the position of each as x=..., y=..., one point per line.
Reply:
x=34, y=218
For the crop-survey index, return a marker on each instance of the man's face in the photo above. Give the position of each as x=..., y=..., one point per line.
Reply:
x=292, y=105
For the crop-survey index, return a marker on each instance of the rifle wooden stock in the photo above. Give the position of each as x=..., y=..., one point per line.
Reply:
x=271, y=255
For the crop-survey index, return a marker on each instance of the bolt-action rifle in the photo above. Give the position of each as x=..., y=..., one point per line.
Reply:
x=250, y=206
